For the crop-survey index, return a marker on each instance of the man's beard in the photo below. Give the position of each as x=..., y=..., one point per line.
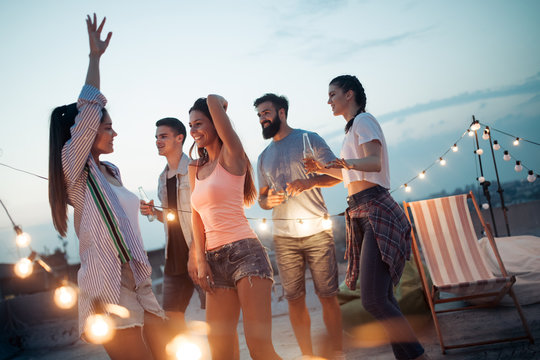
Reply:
x=272, y=129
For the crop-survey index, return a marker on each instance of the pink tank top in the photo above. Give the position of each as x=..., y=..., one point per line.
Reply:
x=219, y=200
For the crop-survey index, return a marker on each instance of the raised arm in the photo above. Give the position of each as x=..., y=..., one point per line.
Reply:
x=232, y=146
x=90, y=104
x=97, y=48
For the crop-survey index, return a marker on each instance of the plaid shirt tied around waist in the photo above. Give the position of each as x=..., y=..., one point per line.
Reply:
x=391, y=228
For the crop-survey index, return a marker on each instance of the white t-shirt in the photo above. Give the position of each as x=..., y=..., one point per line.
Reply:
x=365, y=128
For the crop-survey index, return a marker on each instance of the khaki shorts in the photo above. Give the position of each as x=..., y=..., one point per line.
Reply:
x=136, y=300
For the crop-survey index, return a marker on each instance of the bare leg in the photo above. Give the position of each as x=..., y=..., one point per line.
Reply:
x=176, y=323
x=301, y=324
x=255, y=299
x=332, y=320
x=222, y=313
x=156, y=335
x=128, y=344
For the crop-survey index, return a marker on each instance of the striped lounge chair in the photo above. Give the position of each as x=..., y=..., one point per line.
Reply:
x=450, y=249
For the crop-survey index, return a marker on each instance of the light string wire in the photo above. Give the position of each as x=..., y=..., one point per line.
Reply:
x=510, y=135
x=404, y=185
x=432, y=164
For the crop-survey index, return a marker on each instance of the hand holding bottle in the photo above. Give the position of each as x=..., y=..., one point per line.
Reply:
x=146, y=205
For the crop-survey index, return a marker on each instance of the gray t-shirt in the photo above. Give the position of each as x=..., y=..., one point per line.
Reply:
x=282, y=160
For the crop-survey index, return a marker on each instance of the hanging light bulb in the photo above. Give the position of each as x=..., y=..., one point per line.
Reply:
x=531, y=177
x=479, y=151
x=485, y=206
x=496, y=145
x=99, y=328
x=263, y=225
x=442, y=161
x=181, y=347
x=422, y=175
x=481, y=179
x=485, y=135
x=407, y=188
x=471, y=133
x=327, y=222
x=170, y=216
x=24, y=267
x=65, y=296
x=516, y=142
x=475, y=125
x=518, y=166
x=506, y=156
x=454, y=148
x=22, y=239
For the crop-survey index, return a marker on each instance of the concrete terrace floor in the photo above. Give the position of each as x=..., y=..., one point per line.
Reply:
x=475, y=325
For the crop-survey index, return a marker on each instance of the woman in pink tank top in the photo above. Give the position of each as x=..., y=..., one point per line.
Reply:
x=226, y=259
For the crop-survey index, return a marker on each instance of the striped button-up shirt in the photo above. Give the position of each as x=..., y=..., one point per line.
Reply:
x=106, y=237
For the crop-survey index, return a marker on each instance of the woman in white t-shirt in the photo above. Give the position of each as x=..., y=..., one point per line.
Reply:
x=378, y=233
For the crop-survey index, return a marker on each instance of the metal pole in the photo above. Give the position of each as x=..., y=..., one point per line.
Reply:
x=499, y=190
x=485, y=184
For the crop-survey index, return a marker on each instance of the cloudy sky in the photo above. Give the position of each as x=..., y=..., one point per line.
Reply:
x=427, y=67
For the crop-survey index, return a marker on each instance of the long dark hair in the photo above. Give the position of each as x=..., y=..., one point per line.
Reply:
x=250, y=192
x=62, y=119
x=351, y=82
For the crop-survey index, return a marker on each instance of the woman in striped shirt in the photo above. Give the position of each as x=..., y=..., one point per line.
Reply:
x=114, y=265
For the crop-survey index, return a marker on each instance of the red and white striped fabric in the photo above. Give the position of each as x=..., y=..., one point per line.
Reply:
x=450, y=246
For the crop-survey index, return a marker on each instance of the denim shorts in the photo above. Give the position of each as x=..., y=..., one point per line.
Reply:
x=239, y=259
x=318, y=252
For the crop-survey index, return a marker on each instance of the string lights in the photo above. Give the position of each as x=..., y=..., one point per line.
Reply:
x=23, y=239
x=65, y=296
x=487, y=134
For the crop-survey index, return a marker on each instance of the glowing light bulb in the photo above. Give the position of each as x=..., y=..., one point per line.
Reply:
x=471, y=133
x=531, y=177
x=479, y=151
x=181, y=347
x=263, y=225
x=422, y=175
x=99, y=329
x=485, y=206
x=327, y=222
x=407, y=188
x=24, y=267
x=22, y=239
x=506, y=156
x=485, y=135
x=442, y=161
x=455, y=148
x=516, y=142
x=65, y=296
x=496, y=145
x=481, y=179
x=475, y=125
x=518, y=166
x=170, y=216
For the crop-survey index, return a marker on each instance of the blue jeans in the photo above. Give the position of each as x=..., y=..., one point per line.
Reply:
x=377, y=293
